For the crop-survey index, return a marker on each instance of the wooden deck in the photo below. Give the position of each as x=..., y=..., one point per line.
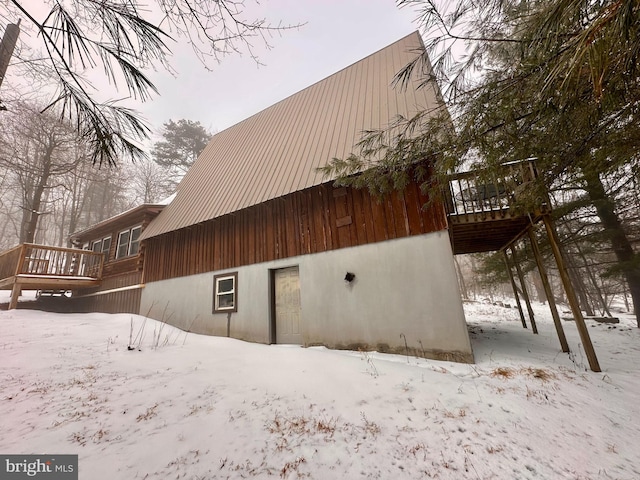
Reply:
x=40, y=267
x=480, y=208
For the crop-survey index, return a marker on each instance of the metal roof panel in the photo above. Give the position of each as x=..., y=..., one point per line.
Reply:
x=278, y=150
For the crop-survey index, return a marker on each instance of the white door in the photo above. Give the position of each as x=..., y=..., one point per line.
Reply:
x=287, y=300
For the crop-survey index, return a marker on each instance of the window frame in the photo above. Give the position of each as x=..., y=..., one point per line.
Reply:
x=136, y=241
x=217, y=294
x=129, y=243
x=91, y=246
x=106, y=252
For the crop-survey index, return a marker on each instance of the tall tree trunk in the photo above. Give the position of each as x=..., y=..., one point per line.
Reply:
x=34, y=215
x=578, y=284
x=594, y=282
x=461, y=282
x=36, y=199
x=605, y=207
x=536, y=280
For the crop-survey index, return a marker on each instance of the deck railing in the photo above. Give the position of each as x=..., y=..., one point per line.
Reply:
x=9, y=260
x=41, y=260
x=480, y=195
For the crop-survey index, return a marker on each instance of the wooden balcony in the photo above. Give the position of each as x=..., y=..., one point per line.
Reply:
x=39, y=267
x=480, y=207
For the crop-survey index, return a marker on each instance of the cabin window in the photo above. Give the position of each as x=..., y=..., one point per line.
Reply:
x=128, y=242
x=134, y=245
x=106, y=246
x=101, y=246
x=225, y=292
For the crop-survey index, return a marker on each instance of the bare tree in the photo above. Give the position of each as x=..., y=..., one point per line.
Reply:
x=122, y=38
x=35, y=152
x=151, y=182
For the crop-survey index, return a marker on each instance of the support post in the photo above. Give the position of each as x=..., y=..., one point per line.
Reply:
x=571, y=295
x=515, y=288
x=16, y=291
x=525, y=294
x=547, y=290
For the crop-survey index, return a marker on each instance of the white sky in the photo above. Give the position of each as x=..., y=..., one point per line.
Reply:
x=337, y=34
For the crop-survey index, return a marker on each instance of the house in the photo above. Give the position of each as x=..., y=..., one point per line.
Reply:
x=257, y=245
x=118, y=239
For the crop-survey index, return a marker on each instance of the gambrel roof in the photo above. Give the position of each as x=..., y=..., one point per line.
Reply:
x=278, y=150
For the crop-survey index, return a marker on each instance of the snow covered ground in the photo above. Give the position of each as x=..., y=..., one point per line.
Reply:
x=196, y=407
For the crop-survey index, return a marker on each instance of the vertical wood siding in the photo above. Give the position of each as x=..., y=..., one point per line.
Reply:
x=314, y=220
x=127, y=301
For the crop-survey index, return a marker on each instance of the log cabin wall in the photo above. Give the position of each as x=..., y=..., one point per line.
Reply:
x=117, y=273
x=313, y=220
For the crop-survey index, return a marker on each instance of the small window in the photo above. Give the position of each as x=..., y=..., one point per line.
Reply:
x=123, y=244
x=225, y=293
x=106, y=246
x=96, y=246
x=134, y=244
x=102, y=246
x=128, y=242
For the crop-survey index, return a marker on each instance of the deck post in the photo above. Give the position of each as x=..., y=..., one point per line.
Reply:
x=571, y=295
x=16, y=291
x=547, y=290
x=20, y=264
x=525, y=293
x=515, y=288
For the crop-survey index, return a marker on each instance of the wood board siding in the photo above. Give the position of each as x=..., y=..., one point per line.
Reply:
x=127, y=301
x=313, y=220
x=114, y=300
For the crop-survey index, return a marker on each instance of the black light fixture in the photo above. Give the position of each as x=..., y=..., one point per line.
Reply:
x=349, y=277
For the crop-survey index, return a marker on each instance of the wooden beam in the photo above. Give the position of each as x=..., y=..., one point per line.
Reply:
x=20, y=264
x=7, y=283
x=571, y=295
x=515, y=288
x=15, y=294
x=35, y=282
x=547, y=291
x=523, y=288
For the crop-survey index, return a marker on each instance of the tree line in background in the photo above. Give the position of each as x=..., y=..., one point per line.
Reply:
x=50, y=188
x=591, y=267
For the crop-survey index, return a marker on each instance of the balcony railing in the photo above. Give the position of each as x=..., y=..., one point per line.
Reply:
x=50, y=262
x=477, y=196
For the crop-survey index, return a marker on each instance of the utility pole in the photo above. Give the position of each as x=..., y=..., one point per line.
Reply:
x=7, y=45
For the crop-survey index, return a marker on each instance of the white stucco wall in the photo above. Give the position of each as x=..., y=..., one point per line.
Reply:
x=404, y=287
